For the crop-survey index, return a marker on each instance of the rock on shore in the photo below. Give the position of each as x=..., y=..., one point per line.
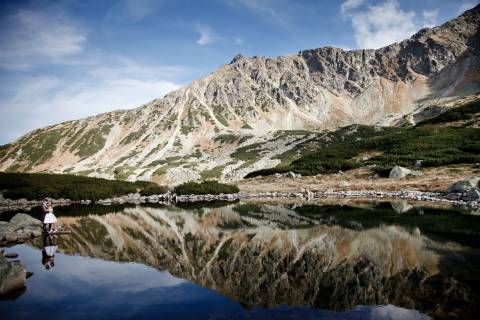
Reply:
x=21, y=227
x=468, y=189
x=12, y=276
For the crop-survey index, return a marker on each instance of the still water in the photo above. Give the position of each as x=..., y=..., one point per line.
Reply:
x=254, y=260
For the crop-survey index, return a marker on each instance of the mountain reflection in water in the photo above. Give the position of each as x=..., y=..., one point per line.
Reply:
x=296, y=254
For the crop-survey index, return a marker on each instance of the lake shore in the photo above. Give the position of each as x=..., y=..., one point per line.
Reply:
x=305, y=195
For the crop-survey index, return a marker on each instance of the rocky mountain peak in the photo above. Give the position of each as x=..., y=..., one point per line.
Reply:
x=236, y=58
x=205, y=129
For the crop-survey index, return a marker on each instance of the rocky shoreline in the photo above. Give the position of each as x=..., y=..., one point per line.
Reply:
x=12, y=275
x=451, y=198
x=20, y=228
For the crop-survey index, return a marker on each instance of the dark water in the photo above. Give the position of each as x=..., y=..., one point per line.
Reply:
x=255, y=261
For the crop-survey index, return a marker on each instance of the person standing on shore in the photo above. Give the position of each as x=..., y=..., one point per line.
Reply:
x=45, y=211
x=49, y=221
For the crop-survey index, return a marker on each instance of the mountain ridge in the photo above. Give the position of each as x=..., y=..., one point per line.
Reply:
x=203, y=126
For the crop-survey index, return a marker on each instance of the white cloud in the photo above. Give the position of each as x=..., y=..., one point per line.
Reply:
x=349, y=5
x=269, y=10
x=237, y=41
x=40, y=101
x=130, y=10
x=430, y=17
x=33, y=36
x=206, y=35
x=385, y=23
x=83, y=81
x=466, y=6
x=139, y=9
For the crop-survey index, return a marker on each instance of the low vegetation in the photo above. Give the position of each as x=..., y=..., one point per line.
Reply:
x=205, y=187
x=434, y=145
x=35, y=186
x=92, y=141
x=39, y=149
x=212, y=173
x=153, y=190
x=466, y=114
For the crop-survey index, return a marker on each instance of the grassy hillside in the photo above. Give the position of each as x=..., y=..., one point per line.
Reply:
x=432, y=141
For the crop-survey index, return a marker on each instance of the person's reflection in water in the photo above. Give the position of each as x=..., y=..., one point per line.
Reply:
x=48, y=252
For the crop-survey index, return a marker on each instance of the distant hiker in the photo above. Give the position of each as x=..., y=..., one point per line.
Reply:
x=49, y=221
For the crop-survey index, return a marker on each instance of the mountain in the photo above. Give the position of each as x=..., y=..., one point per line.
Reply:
x=240, y=118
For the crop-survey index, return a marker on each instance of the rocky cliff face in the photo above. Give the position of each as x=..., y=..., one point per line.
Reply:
x=270, y=255
x=197, y=131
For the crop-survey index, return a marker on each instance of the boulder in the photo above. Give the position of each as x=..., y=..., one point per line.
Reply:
x=291, y=175
x=464, y=186
x=24, y=220
x=24, y=223
x=152, y=198
x=415, y=173
x=472, y=195
x=309, y=195
x=399, y=172
x=12, y=276
x=416, y=232
x=20, y=227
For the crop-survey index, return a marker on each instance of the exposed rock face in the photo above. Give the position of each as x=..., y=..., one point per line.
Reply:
x=12, y=276
x=21, y=227
x=473, y=194
x=258, y=258
x=399, y=172
x=464, y=185
x=316, y=89
x=468, y=189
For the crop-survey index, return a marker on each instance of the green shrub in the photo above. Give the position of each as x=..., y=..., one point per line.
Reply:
x=466, y=112
x=267, y=172
x=205, y=187
x=436, y=146
x=383, y=171
x=41, y=185
x=153, y=190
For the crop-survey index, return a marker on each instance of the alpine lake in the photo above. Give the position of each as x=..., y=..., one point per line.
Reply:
x=334, y=259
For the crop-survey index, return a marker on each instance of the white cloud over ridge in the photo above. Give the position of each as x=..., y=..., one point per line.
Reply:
x=51, y=74
x=349, y=5
x=34, y=35
x=466, y=6
x=430, y=17
x=376, y=26
x=130, y=11
x=40, y=100
x=206, y=35
x=268, y=10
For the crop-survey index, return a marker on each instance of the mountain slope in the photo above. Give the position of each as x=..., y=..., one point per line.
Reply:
x=205, y=128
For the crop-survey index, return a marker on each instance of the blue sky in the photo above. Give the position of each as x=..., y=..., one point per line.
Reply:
x=62, y=60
